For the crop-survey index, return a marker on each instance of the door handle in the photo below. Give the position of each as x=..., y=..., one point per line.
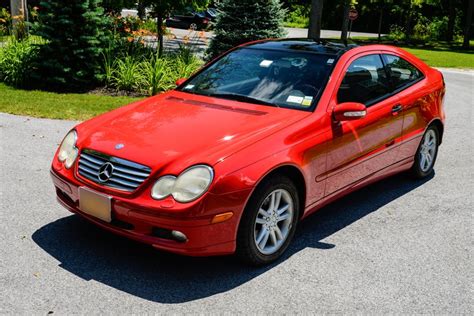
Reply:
x=397, y=109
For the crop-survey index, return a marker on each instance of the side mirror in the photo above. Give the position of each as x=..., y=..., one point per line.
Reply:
x=349, y=111
x=180, y=81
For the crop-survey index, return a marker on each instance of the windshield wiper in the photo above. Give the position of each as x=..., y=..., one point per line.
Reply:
x=240, y=97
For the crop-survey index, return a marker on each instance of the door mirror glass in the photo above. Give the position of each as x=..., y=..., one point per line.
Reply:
x=349, y=111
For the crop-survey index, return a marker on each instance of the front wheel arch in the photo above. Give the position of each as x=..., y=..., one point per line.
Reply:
x=294, y=174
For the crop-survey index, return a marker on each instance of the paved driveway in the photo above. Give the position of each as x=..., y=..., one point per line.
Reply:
x=399, y=246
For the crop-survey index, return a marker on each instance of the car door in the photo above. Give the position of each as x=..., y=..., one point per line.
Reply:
x=360, y=148
x=415, y=101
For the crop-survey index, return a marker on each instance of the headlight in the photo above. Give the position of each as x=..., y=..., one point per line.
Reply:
x=188, y=186
x=68, y=151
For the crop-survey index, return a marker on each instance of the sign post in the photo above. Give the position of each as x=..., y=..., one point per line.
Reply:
x=353, y=15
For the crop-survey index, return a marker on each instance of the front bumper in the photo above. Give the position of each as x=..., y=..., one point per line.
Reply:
x=141, y=223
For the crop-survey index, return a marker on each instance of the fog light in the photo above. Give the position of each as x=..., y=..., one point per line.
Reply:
x=179, y=236
x=219, y=218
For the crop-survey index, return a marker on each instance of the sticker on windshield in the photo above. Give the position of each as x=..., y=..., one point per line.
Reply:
x=308, y=100
x=189, y=86
x=266, y=63
x=295, y=99
x=330, y=61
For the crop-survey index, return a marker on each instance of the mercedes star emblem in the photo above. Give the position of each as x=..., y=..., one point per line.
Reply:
x=105, y=172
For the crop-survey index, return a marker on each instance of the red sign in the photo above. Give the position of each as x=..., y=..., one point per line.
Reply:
x=353, y=14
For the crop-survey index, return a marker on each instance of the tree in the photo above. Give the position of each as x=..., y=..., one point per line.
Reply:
x=314, y=30
x=162, y=8
x=451, y=21
x=467, y=27
x=75, y=37
x=244, y=21
x=380, y=5
x=345, y=20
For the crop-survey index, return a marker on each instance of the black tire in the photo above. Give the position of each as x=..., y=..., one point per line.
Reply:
x=247, y=250
x=417, y=170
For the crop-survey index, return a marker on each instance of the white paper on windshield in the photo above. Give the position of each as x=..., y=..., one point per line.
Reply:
x=189, y=86
x=330, y=61
x=295, y=99
x=266, y=63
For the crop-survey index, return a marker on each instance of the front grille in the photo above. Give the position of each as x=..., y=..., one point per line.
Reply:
x=122, y=175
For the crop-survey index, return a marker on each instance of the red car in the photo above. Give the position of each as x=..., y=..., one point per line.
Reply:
x=232, y=159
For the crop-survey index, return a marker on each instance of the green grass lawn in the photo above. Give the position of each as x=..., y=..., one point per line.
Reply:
x=446, y=59
x=439, y=54
x=57, y=106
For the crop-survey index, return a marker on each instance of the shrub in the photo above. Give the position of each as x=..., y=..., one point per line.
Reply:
x=15, y=61
x=5, y=22
x=76, y=37
x=157, y=75
x=243, y=21
x=298, y=16
x=397, y=33
x=127, y=74
x=150, y=75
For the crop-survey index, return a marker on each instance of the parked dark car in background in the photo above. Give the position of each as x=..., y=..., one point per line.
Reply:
x=189, y=20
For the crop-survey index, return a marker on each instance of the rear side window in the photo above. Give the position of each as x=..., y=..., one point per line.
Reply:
x=401, y=71
x=365, y=81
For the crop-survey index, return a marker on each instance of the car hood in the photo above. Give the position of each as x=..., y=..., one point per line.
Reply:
x=183, y=129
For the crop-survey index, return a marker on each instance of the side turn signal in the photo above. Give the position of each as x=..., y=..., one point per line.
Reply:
x=219, y=218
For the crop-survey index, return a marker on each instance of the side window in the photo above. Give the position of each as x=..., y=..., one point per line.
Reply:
x=401, y=71
x=365, y=81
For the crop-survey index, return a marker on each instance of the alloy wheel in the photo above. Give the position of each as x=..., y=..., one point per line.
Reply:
x=428, y=150
x=273, y=222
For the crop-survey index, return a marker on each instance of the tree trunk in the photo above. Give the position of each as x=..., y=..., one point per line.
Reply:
x=159, y=26
x=316, y=14
x=141, y=10
x=408, y=24
x=467, y=28
x=380, y=24
x=451, y=21
x=345, y=20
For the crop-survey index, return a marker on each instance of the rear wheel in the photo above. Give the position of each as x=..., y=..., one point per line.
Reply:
x=426, y=154
x=269, y=221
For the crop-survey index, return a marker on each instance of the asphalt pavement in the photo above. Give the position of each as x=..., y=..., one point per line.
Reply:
x=398, y=246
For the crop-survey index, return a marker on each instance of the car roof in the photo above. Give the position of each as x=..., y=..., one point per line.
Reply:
x=321, y=46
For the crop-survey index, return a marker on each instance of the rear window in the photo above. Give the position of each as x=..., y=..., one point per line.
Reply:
x=402, y=72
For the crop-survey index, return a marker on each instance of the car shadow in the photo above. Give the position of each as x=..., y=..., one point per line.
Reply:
x=94, y=254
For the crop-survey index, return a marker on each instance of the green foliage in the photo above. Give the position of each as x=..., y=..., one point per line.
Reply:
x=298, y=16
x=156, y=72
x=127, y=75
x=75, y=32
x=244, y=21
x=15, y=61
x=150, y=75
x=5, y=22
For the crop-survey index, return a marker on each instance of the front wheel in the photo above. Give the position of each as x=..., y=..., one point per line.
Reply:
x=269, y=221
x=426, y=154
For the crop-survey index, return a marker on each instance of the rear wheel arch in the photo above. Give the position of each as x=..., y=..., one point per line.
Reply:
x=440, y=127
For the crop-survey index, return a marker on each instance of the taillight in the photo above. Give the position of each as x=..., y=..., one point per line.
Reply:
x=205, y=21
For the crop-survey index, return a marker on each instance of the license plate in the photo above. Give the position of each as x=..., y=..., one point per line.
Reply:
x=95, y=204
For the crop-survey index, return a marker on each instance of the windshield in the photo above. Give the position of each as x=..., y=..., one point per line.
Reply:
x=274, y=78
